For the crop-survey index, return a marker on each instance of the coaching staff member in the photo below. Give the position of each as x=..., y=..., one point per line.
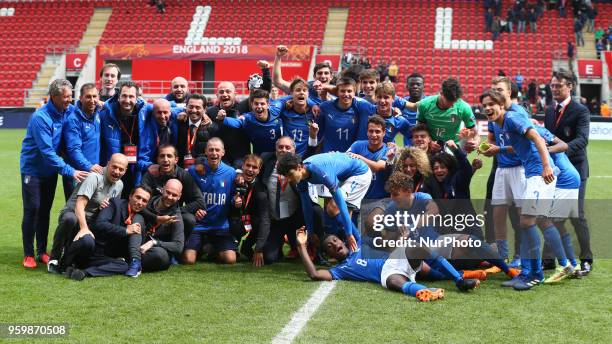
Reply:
x=569, y=121
x=39, y=164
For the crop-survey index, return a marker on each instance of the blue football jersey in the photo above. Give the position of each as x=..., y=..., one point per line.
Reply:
x=295, y=125
x=331, y=169
x=506, y=159
x=568, y=177
x=339, y=128
x=263, y=135
x=377, y=187
x=513, y=133
x=356, y=268
x=217, y=188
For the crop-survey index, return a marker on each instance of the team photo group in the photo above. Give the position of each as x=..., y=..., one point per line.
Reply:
x=313, y=171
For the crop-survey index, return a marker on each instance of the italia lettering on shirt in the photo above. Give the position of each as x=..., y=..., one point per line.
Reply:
x=213, y=198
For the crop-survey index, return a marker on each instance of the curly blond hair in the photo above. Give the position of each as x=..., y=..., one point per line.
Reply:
x=418, y=156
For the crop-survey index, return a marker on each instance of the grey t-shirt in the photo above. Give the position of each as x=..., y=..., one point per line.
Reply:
x=96, y=187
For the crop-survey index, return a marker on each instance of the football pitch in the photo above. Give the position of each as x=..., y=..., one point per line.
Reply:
x=210, y=303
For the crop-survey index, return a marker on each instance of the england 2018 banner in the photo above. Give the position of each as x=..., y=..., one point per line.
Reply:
x=199, y=52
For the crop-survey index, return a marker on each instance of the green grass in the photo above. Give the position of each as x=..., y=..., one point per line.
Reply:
x=234, y=304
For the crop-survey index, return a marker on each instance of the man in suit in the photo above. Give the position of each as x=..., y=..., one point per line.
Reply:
x=569, y=121
x=194, y=132
x=284, y=201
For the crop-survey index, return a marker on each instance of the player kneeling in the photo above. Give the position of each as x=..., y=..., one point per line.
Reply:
x=394, y=272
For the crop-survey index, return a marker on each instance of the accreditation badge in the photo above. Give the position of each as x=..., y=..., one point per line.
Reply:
x=130, y=152
x=188, y=161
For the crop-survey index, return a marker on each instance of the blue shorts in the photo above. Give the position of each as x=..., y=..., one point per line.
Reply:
x=221, y=240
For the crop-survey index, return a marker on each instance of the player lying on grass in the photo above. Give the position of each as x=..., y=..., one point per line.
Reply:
x=393, y=273
x=400, y=186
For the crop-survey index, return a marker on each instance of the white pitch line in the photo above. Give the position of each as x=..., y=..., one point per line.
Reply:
x=600, y=176
x=301, y=317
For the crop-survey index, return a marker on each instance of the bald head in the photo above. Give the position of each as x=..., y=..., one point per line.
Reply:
x=116, y=167
x=226, y=94
x=171, y=193
x=161, y=111
x=180, y=88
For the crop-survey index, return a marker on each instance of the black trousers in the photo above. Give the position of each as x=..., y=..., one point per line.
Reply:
x=37, y=197
x=84, y=254
x=581, y=227
x=69, y=186
x=278, y=229
x=67, y=227
x=155, y=259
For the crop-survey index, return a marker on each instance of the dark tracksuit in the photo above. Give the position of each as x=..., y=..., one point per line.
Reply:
x=191, y=198
x=170, y=239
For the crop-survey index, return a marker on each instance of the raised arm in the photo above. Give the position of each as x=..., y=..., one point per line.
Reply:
x=311, y=270
x=277, y=76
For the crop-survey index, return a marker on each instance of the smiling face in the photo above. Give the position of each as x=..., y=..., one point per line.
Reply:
x=116, y=167
x=195, y=109
x=368, y=86
x=214, y=153
x=127, y=99
x=250, y=170
x=260, y=108
x=440, y=171
x=383, y=104
x=89, y=100
x=346, y=93
x=62, y=101
x=167, y=160
x=409, y=167
x=376, y=133
x=335, y=248
x=179, y=89
x=171, y=193
x=138, y=200
x=226, y=94
x=300, y=94
x=491, y=109
x=421, y=139
x=161, y=110
x=323, y=75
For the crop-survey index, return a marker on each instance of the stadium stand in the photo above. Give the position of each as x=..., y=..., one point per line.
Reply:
x=406, y=35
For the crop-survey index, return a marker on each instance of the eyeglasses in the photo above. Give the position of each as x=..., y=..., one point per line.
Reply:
x=554, y=86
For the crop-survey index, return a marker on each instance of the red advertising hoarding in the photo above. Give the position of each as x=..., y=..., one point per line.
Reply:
x=589, y=69
x=199, y=52
x=75, y=62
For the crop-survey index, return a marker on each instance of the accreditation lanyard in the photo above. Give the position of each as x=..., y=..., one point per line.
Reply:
x=561, y=113
x=282, y=184
x=129, y=135
x=191, y=140
x=128, y=221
